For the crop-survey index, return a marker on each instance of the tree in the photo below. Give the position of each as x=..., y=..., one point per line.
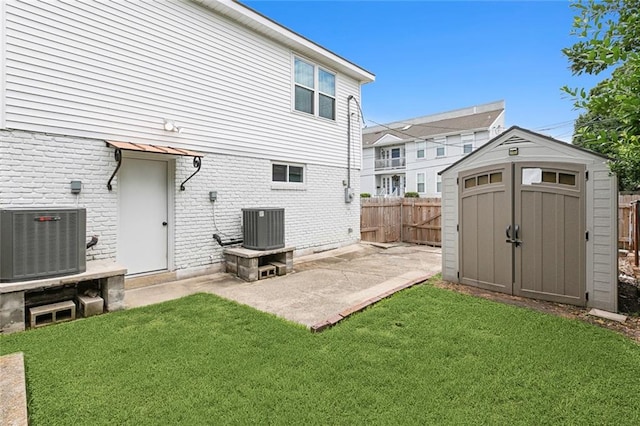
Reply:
x=610, y=38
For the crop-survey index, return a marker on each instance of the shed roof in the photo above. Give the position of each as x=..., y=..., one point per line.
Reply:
x=515, y=132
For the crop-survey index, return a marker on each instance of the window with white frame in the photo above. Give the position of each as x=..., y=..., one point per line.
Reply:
x=314, y=89
x=438, y=184
x=467, y=143
x=420, y=182
x=281, y=172
x=440, y=147
x=421, y=147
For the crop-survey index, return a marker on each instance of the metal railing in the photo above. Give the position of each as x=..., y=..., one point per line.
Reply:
x=390, y=163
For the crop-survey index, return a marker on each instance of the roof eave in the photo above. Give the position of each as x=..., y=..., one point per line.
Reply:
x=269, y=28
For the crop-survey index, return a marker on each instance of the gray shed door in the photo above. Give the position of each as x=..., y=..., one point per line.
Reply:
x=522, y=230
x=550, y=212
x=485, y=213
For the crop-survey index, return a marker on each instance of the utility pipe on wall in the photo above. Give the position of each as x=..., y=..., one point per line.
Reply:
x=348, y=195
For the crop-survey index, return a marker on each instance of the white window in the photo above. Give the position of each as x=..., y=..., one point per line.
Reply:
x=421, y=147
x=440, y=147
x=287, y=173
x=420, y=182
x=467, y=143
x=438, y=184
x=314, y=89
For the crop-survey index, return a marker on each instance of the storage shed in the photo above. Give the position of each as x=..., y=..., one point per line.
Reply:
x=532, y=216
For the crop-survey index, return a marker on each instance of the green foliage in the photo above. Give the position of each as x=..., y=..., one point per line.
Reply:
x=411, y=195
x=610, y=38
x=424, y=356
x=365, y=195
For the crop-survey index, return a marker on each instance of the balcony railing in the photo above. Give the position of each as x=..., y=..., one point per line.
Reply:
x=391, y=163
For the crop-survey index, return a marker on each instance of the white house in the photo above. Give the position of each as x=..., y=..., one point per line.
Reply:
x=407, y=155
x=140, y=95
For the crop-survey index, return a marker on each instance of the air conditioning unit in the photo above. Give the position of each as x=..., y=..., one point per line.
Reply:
x=38, y=243
x=263, y=228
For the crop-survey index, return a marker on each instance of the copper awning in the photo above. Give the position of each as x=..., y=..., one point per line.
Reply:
x=154, y=149
x=130, y=146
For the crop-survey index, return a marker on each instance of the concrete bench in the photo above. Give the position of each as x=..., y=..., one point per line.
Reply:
x=52, y=313
x=12, y=295
x=246, y=263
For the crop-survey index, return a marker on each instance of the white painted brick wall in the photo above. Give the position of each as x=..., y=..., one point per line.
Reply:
x=316, y=218
x=36, y=170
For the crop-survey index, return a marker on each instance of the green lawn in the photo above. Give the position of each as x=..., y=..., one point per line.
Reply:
x=426, y=355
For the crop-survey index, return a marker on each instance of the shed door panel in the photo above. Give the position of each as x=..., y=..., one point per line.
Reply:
x=549, y=262
x=485, y=213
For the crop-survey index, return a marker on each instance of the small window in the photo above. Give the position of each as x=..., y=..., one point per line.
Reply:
x=467, y=148
x=287, y=173
x=567, y=179
x=470, y=182
x=483, y=179
x=495, y=177
x=308, y=77
x=549, y=177
x=440, y=147
x=421, y=147
x=438, y=184
x=420, y=182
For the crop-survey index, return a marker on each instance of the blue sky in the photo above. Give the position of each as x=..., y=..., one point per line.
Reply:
x=430, y=57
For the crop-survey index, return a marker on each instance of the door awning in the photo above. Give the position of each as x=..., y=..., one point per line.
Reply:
x=154, y=149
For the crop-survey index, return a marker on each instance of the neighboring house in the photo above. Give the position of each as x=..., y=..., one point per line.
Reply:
x=407, y=155
x=258, y=111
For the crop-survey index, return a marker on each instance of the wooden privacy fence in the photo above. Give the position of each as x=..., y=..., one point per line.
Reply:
x=627, y=226
x=412, y=220
x=418, y=220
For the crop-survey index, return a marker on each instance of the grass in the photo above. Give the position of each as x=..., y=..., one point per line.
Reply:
x=426, y=355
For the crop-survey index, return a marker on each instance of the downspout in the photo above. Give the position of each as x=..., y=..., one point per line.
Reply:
x=348, y=194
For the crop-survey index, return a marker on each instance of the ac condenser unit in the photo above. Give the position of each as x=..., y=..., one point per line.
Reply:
x=41, y=243
x=263, y=228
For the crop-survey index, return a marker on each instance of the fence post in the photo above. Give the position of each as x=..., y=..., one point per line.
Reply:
x=402, y=219
x=636, y=231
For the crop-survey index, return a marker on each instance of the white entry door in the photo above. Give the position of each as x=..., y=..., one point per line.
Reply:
x=143, y=215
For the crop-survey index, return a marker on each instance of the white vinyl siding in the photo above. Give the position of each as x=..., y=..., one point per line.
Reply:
x=116, y=70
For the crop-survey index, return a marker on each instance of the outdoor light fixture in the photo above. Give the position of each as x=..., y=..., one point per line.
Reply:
x=170, y=126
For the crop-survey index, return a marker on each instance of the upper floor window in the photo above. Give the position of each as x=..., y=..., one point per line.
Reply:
x=421, y=147
x=438, y=184
x=287, y=173
x=420, y=182
x=314, y=90
x=467, y=143
x=440, y=147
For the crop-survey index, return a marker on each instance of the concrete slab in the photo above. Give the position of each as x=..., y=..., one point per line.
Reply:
x=321, y=287
x=13, y=391
x=607, y=315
